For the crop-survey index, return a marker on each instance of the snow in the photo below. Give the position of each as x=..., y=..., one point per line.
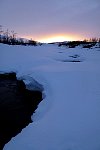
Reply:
x=68, y=118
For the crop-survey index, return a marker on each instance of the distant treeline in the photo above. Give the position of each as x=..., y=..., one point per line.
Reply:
x=85, y=43
x=10, y=37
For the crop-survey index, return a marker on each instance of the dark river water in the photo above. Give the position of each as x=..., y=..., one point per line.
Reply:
x=17, y=104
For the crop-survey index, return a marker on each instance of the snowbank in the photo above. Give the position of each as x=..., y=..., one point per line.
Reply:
x=69, y=116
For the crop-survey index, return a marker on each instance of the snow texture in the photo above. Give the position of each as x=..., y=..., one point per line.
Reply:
x=69, y=116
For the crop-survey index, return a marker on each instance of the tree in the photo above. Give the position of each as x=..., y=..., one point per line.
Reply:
x=13, y=38
x=6, y=36
x=94, y=39
x=32, y=42
x=99, y=42
x=1, y=32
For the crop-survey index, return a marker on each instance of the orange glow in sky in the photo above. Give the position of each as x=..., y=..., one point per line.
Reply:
x=55, y=38
x=59, y=38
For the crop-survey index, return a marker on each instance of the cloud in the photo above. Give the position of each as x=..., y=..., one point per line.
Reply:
x=49, y=16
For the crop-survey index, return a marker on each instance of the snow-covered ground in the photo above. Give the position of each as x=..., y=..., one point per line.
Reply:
x=69, y=116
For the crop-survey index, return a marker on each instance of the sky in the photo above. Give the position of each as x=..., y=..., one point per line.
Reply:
x=51, y=20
